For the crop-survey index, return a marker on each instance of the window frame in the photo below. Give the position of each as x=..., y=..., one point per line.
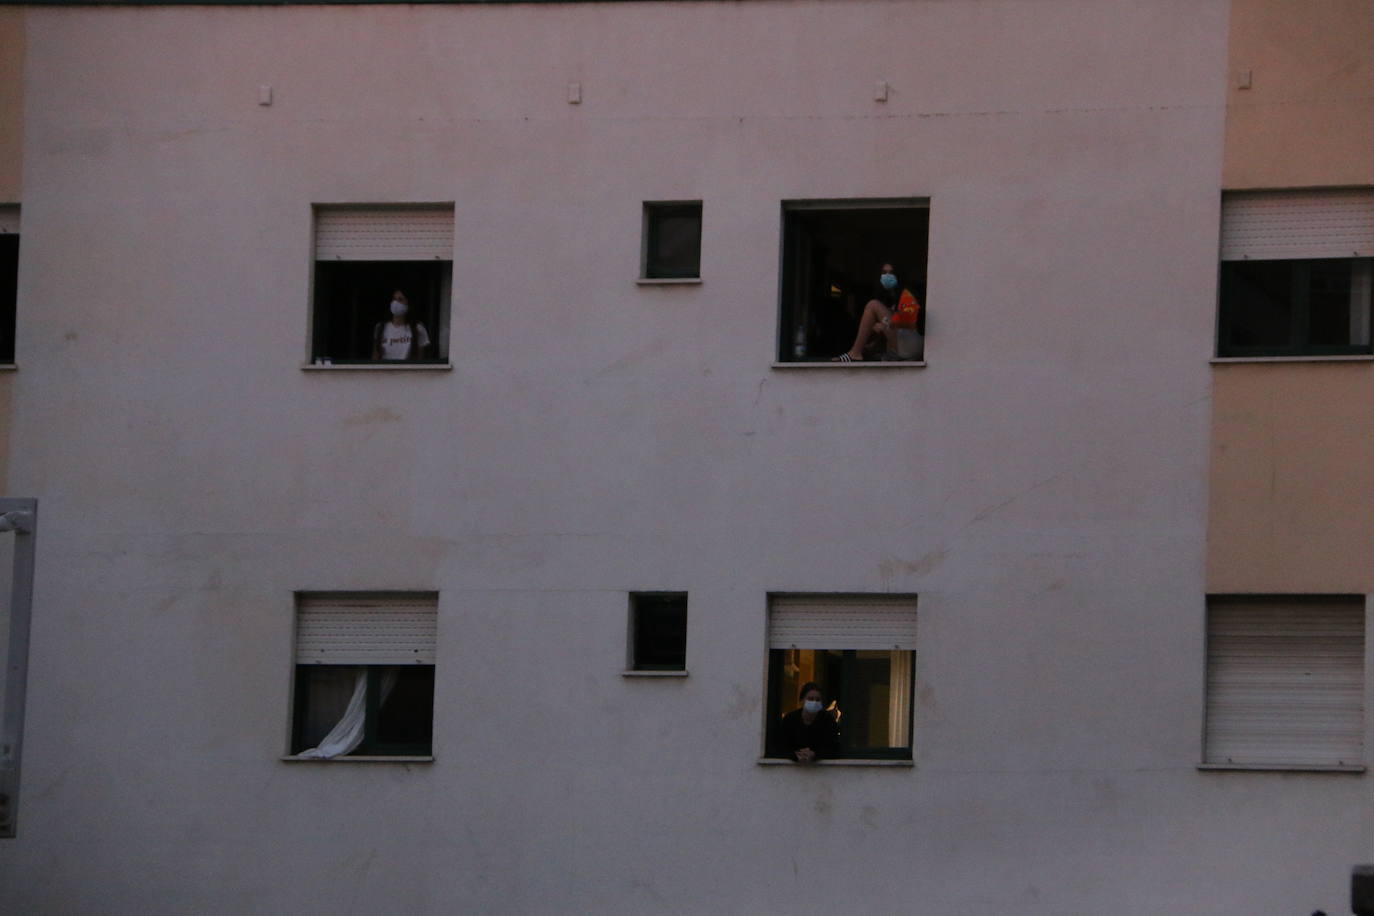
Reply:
x=913, y=275
x=20, y=521
x=846, y=699
x=649, y=271
x=638, y=602
x=439, y=287
x=372, y=748
x=1296, y=227
x=10, y=236
x=845, y=696
x=1300, y=319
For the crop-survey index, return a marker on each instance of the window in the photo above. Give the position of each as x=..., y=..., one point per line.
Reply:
x=672, y=241
x=658, y=631
x=1285, y=681
x=1295, y=274
x=363, y=256
x=861, y=650
x=364, y=674
x=18, y=531
x=9, y=279
x=833, y=254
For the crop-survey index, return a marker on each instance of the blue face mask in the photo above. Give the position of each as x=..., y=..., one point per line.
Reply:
x=889, y=281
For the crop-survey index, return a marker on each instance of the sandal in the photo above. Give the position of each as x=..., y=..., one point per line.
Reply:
x=846, y=358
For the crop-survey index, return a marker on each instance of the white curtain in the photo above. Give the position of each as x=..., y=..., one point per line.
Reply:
x=348, y=732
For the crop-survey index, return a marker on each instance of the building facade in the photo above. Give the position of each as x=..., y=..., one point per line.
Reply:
x=573, y=560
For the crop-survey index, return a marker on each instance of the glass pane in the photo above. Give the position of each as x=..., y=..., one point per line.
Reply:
x=322, y=695
x=869, y=694
x=405, y=715
x=1329, y=298
x=674, y=242
x=9, y=284
x=6, y=585
x=900, y=666
x=1361, y=275
x=1257, y=304
x=793, y=668
x=660, y=632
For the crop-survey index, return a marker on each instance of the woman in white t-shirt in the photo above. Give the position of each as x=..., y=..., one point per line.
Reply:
x=400, y=338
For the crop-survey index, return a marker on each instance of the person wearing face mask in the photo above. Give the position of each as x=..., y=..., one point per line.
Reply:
x=877, y=318
x=810, y=733
x=400, y=338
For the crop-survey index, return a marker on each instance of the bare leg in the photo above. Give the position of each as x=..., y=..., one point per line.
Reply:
x=874, y=313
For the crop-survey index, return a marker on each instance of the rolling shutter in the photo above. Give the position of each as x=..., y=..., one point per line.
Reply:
x=1285, y=682
x=842, y=622
x=384, y=233
x=9, y=219
x=1284, y=225
x=366, y=629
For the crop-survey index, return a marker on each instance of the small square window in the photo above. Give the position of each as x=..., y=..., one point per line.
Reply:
x=858, y=651
x=9, y=279
x=367, y=259
x=364, y=674
x=672, y=241
x=833, y=260
x=658, y=631
x=1285, y=681
x=1295, y=273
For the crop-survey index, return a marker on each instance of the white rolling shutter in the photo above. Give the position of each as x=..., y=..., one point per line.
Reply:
x=366, y=629
x=384, y=233
x=9, y=219
x=842, y=622
x=1285, y=682
x=1284, y=225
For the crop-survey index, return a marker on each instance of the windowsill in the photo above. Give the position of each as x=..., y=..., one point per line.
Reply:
x=668, y=281
x=632, y=673
x=864, y=364
x=837, y=762
x=361, y=758
x=1349, y=358
x=1282, y=767
x=377, y=367
x=8, y=367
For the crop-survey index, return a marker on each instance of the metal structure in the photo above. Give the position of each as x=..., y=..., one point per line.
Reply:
x=19, y=516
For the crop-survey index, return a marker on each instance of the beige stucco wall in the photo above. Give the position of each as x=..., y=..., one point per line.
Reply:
x=1292, y=466
x=11, y=167
x=1291, y=442
x=11, y=101
x=1308, y=118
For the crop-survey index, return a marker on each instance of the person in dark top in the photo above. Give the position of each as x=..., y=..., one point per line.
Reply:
x=810, y=733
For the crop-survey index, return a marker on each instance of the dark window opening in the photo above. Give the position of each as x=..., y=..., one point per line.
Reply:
x=869, y=692
x=658, y=625
x=1312, y=307
x=353, y=302
x=398, y=700
x=832, y=258
x=9, y=293
x=672, y=241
